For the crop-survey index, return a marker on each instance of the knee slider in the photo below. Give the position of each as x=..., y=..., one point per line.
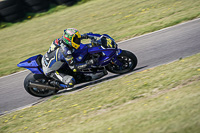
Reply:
x=71, y=82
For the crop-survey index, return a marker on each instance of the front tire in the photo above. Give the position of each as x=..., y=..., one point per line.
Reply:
x=36, y=91
x=129, y=61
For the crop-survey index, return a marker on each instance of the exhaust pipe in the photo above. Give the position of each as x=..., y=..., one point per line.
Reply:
x=41, y=86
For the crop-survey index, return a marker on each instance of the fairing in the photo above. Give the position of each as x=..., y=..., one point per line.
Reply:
x=31, y=64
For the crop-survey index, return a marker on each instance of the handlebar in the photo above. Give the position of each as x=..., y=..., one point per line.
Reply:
x=94, y=41
x=101, y=40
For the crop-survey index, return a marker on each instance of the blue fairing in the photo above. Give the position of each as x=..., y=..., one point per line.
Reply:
x=109, y=53
x=31, y=64
x=80, y=54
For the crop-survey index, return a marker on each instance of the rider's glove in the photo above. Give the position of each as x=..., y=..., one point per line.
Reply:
x=84, y=36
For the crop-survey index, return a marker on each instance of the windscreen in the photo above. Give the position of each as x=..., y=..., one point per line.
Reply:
x=107, y=43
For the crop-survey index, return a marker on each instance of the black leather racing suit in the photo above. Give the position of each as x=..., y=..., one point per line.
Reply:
x=57, y=56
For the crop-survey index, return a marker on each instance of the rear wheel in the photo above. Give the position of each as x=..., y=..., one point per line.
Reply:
x=129, y=61
x=36, y=91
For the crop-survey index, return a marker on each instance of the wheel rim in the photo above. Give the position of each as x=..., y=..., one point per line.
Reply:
x=127, y=64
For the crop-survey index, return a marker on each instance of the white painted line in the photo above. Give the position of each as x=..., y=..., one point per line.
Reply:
x=13, y=74
x=160, y=30
x=26, y=106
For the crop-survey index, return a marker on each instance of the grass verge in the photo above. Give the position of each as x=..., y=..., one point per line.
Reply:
x=161, y=99
x=120, y=19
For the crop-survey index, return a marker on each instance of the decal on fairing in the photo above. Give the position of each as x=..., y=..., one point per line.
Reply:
x=109, y=41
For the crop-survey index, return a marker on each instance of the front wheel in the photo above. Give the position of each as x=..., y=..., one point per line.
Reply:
x=129, y=61
x=36, y=91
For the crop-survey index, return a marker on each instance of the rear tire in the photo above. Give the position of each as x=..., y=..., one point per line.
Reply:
x=35, y=91
x=129, y=61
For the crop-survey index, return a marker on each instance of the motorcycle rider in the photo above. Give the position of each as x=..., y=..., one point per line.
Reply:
x=60, y=54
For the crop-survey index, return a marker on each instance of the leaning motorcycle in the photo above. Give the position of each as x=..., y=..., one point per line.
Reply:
x=102, y=48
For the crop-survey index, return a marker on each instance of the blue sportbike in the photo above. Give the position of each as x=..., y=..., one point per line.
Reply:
x=102, y=48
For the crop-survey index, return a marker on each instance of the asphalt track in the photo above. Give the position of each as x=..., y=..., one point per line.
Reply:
x=152, y=49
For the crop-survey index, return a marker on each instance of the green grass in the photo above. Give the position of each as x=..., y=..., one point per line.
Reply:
x=120, y=19
x=161, y=99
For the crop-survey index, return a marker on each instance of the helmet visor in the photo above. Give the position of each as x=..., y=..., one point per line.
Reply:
x=77, y=40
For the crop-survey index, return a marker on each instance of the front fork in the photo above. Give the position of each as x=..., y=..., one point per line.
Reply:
x=115, y=60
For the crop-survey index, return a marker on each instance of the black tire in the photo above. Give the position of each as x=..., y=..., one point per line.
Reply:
x=66, y=2
x=36, y=5
x=10, y=10
x=33, y=2
x=70, y=3
x=40, y=7
x=7, y=3
x=35, y=91
x=129, y=61
x=14, y=17
x=60, y=2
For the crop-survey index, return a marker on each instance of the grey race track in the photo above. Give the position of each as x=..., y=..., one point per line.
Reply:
x=152, y=49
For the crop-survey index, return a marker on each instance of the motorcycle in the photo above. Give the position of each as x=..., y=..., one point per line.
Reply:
x=102, y=48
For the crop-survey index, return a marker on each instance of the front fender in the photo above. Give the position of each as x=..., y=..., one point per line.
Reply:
x=110, y=55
